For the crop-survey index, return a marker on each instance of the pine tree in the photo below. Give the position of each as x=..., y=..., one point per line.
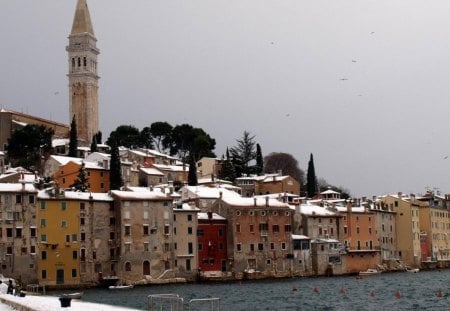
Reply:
x=259, y=160
x=73, y=142
x=115, y=175
x=227, y=171
x=192, y=175
x=82, y=182
x=311, y=179
x=243, y=154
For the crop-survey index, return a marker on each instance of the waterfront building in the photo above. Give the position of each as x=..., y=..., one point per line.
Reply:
x=407, y=226
x=18, y=231
x=212, y=245
x=74, y=237
x=259, y=236
x=435, y=225
x=359, y=236
x=316, y=222
x=83, y=75
x=385, y=219
x=302, y=257
x=185, y=243
x=144, y=235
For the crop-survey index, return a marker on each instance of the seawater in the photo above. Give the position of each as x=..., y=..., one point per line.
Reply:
x=387, y=291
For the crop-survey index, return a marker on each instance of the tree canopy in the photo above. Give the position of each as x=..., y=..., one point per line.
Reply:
x=29, y=145
x=161, y=135
x=286, y=163
x=125, y=135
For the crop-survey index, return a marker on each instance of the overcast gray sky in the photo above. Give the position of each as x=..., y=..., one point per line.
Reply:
x=363, y=85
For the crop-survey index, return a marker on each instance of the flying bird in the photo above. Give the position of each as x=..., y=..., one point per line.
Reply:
x=446, y=157
x=353, y=61
x=344, y=79
x=56, y=93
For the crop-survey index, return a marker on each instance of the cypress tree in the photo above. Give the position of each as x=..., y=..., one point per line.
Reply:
x=115, y=174
x=192, y=175
x=311, y=179
x=94, y=147
x=73, y=142
x=259, y=160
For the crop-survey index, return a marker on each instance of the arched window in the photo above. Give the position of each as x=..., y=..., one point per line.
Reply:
x=84, y=62
x=146, y=267
x=73, y=62
x=128, y=266
x=79, y=62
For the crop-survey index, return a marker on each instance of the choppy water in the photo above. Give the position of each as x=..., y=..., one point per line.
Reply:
x=418, y=291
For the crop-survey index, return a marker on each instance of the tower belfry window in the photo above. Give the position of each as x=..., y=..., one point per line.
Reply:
x=79, y=62
x=73, y=62
x=84, y=61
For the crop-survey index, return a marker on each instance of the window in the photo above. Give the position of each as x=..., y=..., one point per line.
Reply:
x=82, y=206
x=43, y=205
x=32, y=249
x=260, y=246
x=220, y=232
x=74, y=237
x=238, y=228
x=200, y=232
x=272, y=246
x=145, y=213
x=43, y=238
x=252, y=228
x=74, y=254
x=189, y=230
x=252, y=247
x=283, y=246
x=18, y=199
x=238, y=213
x=275, y=228
x=82, y=221
x=146, y=248
x=127, y=213
x=128, y=266
x=127, y=229
x=33, y=232
x=189, y=217
x=9, y=250
x=112, y=221
x=251, y=213
x=102, y=185
x=190, y=248
x=74, y=273
x=44, y=274
x=166, y=229
x=31, y=199
x=9, y=232
x=63, y=206
x=357, y=230
x=63, y=224
x=43, y=255
x=146, y=230
x=127, y=247
x=239, y=247
x=18, y=232
x=188, y=265
x=263, y=213
x=43, y=223
x=287, y=228
x=82, y=236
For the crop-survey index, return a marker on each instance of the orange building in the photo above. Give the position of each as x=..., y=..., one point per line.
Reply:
x=97, y=175
x=358, y=231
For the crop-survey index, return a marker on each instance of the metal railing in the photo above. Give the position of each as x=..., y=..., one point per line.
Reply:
x=173, y=302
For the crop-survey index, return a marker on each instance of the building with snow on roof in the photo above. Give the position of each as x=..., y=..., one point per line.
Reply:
x=265, y=184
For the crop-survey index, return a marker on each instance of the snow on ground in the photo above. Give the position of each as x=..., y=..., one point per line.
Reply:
x=50, y=303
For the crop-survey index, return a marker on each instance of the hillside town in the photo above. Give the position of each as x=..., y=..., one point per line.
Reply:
x=69, y=223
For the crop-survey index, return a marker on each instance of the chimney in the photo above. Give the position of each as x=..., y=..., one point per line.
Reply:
x=267, y=201
x=254, y=201
x=400, y=195
x=212, y=177
x=209, y=215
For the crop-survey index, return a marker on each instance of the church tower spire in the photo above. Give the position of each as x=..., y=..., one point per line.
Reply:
x=83, y=77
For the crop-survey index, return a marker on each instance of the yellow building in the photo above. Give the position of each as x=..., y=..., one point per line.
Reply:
x=97, y=175
x=58, y=229
x=407, y=226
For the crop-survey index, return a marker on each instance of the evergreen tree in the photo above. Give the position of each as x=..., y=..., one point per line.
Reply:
x=115, y=174
x=192, y=175
x=73, y=142
x=94, y=147
x=82, y=182
x=259, y=160
x=98, y=137
x=243, y=154
x=311, y=179
x=227, y=172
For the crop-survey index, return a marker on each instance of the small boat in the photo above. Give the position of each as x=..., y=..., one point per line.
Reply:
x=412, y=270
x=121, y=287
x=369, y=272
x=73, y=295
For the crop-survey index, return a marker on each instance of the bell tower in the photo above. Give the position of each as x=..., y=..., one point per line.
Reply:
x=83, y=77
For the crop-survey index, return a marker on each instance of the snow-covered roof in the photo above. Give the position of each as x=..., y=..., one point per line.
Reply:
x=17, y=187
x=204, y=192
x=76, y=195
x=173, y=168
x=355, y=209
x=258, y=202
x=151, y=171
x=62, y=160
x=314, y=210
x=19, y=123
x=140, y=195
x=60, y=142
x=185, y=207
x=329, y=192
x=300, y=237
x=141, y=153
x=204, y=216
x=206, y=180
